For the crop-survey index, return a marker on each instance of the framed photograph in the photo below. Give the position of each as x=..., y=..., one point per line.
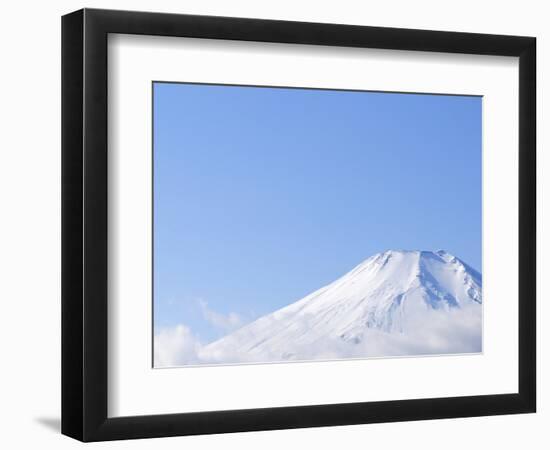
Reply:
x=272, y=224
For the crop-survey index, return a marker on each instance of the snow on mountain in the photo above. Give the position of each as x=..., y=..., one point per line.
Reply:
x=394, y=303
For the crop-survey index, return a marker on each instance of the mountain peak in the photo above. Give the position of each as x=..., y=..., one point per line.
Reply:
x=392, y=292
x=439, y=252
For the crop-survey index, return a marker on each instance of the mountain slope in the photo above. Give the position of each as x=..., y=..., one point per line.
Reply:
x=394, y=303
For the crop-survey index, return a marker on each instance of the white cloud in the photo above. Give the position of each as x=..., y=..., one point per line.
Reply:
x=222, y=322
x=176, y=346
x=458, y=331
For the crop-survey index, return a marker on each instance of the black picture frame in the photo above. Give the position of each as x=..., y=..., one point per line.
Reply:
x=84, y=224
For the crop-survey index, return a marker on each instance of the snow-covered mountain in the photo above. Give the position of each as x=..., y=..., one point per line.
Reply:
x=394, y=303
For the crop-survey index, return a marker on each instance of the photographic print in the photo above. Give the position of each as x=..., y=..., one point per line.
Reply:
x=302, y=224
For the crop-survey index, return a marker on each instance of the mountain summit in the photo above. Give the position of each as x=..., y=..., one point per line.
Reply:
x=394, y=303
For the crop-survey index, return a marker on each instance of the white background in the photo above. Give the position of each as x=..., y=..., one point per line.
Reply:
x=30, y=229
x=136, y=389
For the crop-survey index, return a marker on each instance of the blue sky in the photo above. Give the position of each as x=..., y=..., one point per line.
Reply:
x=262, y=195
